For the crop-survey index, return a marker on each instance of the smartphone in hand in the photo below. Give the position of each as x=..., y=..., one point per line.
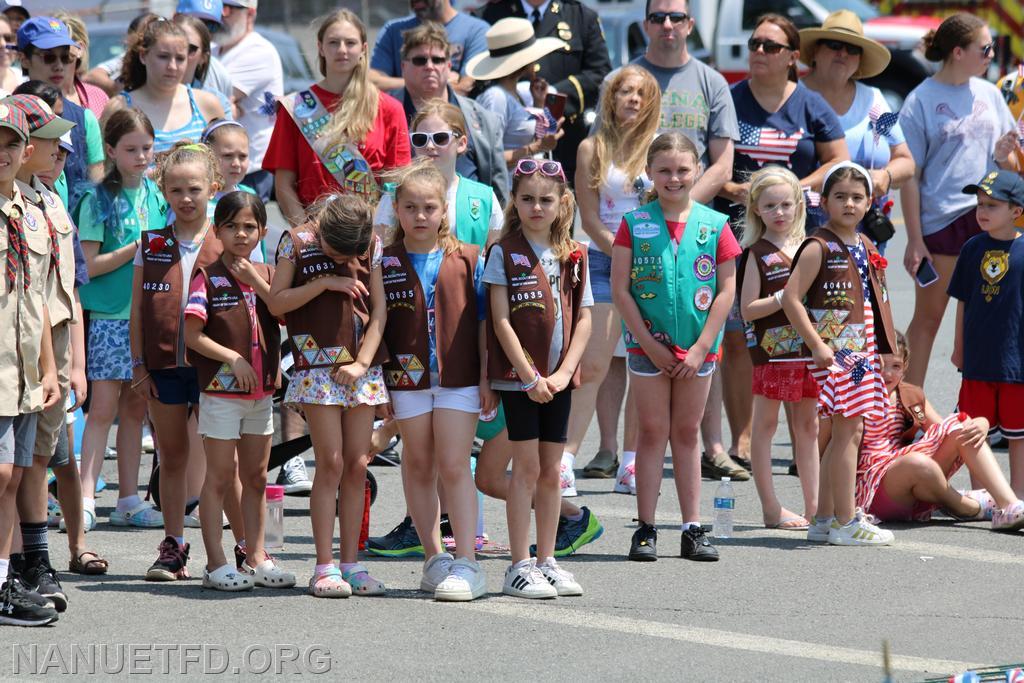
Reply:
x=555, y=103
x=926, y=273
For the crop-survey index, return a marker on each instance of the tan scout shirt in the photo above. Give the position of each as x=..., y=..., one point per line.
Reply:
x=21, y=311
x=60, y=283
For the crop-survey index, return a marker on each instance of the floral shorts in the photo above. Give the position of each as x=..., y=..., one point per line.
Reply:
x=318, y=387
x=110, y=353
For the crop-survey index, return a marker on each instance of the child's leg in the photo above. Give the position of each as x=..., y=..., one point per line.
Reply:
x=69, y=494
x=631, y=430
x=606, y=330
x=653, y=401
x=711, y=418
x=981, y=464
x=916, y=477
x=357, y=426
x=763, y=424
x=1017, y=467
x=253, y=452
x=842, y=451
x=805, y=451
x=10, y=479
x=131, y=413
x=324, y=424
x=171, y=425
x=688, y=396
x=492, y=476
x=609, y=404
x=547, y=498
x=103, y=407
x=521, y=489
x=737, y=373
x=419, y=480
x=453, y=440
x=220, y=475
x=826, y=505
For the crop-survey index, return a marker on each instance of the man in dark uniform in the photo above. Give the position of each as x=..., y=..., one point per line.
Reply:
x=576, y=71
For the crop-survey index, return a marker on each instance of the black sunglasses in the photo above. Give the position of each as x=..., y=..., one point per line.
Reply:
x=988, y=50
x=441, y=138
x=421, y=60
x=770, y=47
x=674, y=17
x=839, y=46
x=50, y=58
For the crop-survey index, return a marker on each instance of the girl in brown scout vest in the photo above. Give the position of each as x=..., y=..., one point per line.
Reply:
x=774, y=229
x=328, y=286
x=838, y=277
x=165, y=264
x=539, y=324
x=438, y=384
x=237, y=345
x=899, y=479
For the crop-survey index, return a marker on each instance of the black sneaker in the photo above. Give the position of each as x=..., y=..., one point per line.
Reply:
x=17, y=609
x=239, y=556
x=42, y=579
x=402, y=541
x=170, y=565
x=30, y=595
x=644, y=545
x=696, y=546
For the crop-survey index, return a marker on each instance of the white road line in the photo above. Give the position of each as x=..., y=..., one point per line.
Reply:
x=714, y=637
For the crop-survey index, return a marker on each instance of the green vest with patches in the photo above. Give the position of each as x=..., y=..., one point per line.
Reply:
x=473, y=212
x=674, y=287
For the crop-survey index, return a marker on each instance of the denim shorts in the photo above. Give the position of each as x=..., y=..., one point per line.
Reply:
x=639, y=364
x=600, y=275
x=176, y=386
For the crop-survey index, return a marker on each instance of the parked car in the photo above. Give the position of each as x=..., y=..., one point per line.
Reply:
x=106, y=40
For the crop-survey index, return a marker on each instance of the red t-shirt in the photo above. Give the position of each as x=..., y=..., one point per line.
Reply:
x=386, y=146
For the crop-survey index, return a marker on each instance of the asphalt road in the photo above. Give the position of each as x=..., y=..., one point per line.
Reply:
x=946, y=596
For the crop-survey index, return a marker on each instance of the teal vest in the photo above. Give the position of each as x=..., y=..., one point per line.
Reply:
x=674, y=289
x=473, y=212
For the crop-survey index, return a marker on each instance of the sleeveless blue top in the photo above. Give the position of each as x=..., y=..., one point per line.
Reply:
x=192, y=130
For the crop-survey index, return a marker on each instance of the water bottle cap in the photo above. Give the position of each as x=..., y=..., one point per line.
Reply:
x=726, y=479
x=275, y=492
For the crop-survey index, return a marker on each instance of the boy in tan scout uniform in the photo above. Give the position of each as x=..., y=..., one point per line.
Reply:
x=26, y=355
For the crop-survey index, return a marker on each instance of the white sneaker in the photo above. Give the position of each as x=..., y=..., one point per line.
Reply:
x=436, y=570
x=525, y=580
x=817, y=532
x=465, y=582
x=294, y=477
x=563, y=581
x=626, y=481
x=147, y=441
x=859, y=531
x=567, y=477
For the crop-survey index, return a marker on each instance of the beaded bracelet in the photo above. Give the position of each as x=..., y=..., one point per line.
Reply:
x=531, y=385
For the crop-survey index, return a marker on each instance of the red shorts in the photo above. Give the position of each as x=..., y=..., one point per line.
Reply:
x=784, y=381
x=951, y=239
x=1001, y=403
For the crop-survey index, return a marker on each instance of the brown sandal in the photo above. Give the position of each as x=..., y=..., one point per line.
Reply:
x=94, y=566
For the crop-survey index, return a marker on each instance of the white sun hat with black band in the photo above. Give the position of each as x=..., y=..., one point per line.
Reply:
x=511, y=45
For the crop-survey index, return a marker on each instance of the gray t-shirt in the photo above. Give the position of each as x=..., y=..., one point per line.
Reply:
x=952, y=132
x=695, y=101
x=494, y=274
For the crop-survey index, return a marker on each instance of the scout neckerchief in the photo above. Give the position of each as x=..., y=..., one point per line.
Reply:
x=17, y=250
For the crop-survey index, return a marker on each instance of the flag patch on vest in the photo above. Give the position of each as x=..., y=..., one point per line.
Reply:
x=220, y=281
x=519, y=260
x=391, y=262
x=410, y=374
x=224, y=380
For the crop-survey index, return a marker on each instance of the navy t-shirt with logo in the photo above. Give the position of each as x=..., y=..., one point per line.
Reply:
x=989, y=280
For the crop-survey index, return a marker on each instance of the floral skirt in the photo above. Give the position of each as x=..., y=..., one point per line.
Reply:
x=316, y=386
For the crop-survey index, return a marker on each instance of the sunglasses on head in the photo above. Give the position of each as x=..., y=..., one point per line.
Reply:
x=552, y=169
x=839, y=46
x=441, y=138
x=674, y=17
x=421, y=60
x=770, y=47
x=50, y=58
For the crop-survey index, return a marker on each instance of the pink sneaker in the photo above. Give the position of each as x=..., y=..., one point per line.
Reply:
x=985, y=500
x=1009, y=519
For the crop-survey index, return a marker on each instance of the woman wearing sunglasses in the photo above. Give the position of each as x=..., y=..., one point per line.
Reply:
x=957, y=127
x=9, y=76
x=839, y=56
x=83, y=94
x=342, y=122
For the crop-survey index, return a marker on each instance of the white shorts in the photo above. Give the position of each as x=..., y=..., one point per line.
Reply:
x=410, y=404
x=229, y=418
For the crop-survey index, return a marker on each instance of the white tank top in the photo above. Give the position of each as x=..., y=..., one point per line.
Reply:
x=618, y=195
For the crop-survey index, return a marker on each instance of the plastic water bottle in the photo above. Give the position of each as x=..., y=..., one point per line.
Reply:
x=273, y=533
x=725, y=506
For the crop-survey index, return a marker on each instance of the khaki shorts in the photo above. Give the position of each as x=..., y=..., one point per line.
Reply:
x=54, y=418
x=229, y=418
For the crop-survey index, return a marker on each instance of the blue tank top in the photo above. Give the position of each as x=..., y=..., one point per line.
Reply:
x=192, y=130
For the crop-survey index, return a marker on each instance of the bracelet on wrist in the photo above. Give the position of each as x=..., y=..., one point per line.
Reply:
x=890, y=178
x=778, y=296
x=137, y=362
x=531, y=385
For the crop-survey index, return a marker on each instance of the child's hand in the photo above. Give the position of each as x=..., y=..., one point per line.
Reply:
x=346, y=285
x=691, y=364
x=541, y=393
x=957, y=357
x=915, y=253
x=1005, y=146
x=488, y=398
x=348, y=374
x=823, y=356
x=80, y=386
x=663, y=358
x=51, y=389
x=558, y=381
x=142, y=384
x=244, y=272
x=548, y=142
x=246, y=376
x=973, y=432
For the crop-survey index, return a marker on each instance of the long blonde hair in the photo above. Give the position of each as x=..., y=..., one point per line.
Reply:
x=625, y=144
x=425, y=174
x=562, y=243
x=772, y=176
x=356, y=112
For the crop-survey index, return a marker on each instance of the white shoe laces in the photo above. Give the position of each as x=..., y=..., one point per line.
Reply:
x=558, y=573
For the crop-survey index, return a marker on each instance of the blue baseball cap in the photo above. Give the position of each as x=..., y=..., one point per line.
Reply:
x=44, y=33
x=1004, y=186
x=15, y=5
x=207, y=10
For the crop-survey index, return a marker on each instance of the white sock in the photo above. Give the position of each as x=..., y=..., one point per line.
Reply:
x=5, y=566
x=127, y=503
x=687, y=525
x=571, y=457
x=89, y=504
x=628, y=458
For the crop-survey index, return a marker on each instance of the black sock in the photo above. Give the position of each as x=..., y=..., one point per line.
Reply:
x=34, y=543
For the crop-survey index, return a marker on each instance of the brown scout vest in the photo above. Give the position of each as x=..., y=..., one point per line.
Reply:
x=531, y=309
x=774, y=335
x=837, y=297
x=912, y=406
x=228, y=324
x=322, y=331
x=455, y=321
x=161, y=293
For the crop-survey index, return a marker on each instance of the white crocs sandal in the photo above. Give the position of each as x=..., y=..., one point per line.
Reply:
x=226, y=578
x=268, y=575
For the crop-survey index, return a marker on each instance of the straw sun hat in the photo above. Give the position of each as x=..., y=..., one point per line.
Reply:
x=845, y=26
x=511, y=45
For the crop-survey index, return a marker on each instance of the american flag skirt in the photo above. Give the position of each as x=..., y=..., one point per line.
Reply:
x=858, y=392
